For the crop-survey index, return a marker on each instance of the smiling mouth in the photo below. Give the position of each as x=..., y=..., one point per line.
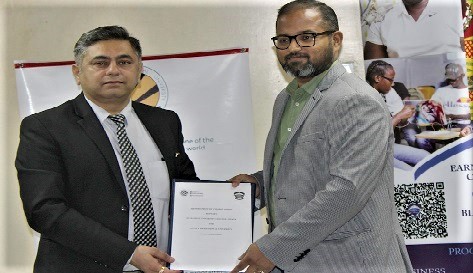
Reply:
x=296, y=60
x=113, y=83
x=296, y=57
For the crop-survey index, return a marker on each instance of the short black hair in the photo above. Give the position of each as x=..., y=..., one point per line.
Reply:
x=376, y=68
x=329, y=16
x=102, y=34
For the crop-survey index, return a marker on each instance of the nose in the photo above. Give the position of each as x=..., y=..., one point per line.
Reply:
x=113, y=69
x=294, y=46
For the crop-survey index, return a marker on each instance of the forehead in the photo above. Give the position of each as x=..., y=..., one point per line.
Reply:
x=300, y=20
x=390, y=71
x=110, y=49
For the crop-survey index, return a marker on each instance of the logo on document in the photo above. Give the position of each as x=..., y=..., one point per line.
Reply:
x=239, y=195
x=151, y=90
x=184, y=193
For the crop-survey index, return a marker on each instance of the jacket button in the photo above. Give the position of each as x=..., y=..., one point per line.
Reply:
x=124, y=208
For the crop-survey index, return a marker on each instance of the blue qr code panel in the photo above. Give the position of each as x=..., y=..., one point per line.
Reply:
x=421, y=210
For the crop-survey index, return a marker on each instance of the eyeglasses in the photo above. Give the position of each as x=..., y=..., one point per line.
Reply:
x=282, y=42
x=389, y=79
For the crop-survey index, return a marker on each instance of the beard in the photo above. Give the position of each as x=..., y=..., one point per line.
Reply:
x=309, y=69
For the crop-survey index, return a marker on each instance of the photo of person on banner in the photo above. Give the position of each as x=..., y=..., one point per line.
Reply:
x=454, y=98
x=380, y=75
x=412, y=28
x=94, y=172
x=327, y=179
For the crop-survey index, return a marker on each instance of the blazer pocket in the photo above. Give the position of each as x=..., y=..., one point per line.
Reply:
x=311, y=137
x=345, y=234
x=356, y=226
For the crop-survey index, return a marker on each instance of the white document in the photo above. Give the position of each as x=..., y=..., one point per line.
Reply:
x=212, y=224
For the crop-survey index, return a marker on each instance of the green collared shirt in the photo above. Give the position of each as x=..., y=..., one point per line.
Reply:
x=298, y=97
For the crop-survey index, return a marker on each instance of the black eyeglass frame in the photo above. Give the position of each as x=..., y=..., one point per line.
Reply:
x=452, y=81
x=294, y=37
x=389, y=79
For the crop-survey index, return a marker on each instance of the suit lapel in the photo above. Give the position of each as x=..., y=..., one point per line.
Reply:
x=279, y=106
x=157, y=128
x=93, y=128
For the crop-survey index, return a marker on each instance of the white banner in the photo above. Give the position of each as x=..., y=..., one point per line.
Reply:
x=209, y=90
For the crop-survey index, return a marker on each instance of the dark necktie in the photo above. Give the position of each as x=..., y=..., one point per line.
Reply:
x=143, y=215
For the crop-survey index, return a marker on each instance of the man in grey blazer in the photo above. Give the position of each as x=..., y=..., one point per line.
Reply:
x=327, y=179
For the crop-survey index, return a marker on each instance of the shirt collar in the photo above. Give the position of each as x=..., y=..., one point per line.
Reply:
x=102, y=114
x=310, y=86
x=428, y=11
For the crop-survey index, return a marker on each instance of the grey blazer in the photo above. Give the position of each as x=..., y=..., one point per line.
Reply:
x=334, y=209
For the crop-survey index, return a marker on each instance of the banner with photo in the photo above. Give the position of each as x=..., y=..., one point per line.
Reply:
x=416, y=55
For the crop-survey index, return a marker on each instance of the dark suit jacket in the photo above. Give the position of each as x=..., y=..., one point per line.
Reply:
x=72, y=189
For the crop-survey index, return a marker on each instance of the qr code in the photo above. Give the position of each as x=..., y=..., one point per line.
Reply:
x=421, y=210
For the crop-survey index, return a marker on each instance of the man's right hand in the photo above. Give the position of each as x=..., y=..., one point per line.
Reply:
x=150, y=259
x=406, y=112
x=466, y=131
x=236, y=180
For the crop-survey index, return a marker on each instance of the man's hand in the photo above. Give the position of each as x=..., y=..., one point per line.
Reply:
x=465, y=131
x=255, y=260
x=236, y=180
x=406, y=112
x=150, y=259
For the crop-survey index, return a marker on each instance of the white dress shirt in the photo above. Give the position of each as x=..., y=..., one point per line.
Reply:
x=154, y=168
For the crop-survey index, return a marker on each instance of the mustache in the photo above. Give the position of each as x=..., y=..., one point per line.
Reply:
x=295, y=55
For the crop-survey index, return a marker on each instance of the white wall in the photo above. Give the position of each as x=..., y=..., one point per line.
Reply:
x=46, y=30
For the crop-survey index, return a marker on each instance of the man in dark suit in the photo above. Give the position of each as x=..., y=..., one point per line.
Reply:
x=95, y=171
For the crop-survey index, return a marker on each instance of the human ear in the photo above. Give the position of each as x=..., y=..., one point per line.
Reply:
x=337, y=38
x=76, y=72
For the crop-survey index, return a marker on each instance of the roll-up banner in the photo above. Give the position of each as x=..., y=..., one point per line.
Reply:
x=429, y=45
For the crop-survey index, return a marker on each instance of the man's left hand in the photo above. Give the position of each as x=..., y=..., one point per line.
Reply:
x=255, y=260
x=466, y=131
